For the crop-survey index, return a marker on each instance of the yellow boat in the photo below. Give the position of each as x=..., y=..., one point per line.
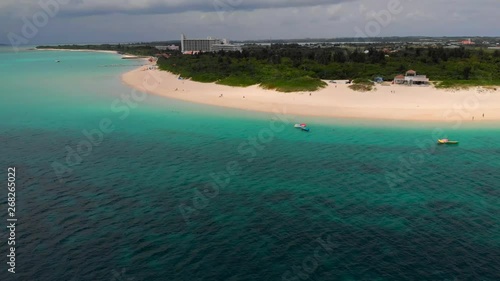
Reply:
x=447, y=141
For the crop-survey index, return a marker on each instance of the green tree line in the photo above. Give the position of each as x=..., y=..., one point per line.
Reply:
x=296, y=68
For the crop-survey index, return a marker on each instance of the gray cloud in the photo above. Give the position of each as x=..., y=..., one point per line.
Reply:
x=147, y=20
x=146, y=7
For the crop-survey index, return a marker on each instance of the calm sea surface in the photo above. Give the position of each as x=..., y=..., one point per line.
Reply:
x=178, y=191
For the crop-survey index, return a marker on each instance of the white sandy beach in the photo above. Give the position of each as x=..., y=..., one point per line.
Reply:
x=336, y=100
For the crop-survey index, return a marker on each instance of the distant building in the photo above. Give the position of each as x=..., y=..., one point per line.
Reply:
x=170, y=48
x=411, y=78
x=173, y=48
x=467, y=42
x=188, y=46
x=225, y=47
x=203, y=45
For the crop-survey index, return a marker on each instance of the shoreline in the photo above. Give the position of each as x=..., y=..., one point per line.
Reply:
x=124, y=56
x=79, y=50
x=394, y=102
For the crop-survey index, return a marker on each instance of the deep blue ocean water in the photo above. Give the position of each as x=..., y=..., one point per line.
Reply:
x=179, y=191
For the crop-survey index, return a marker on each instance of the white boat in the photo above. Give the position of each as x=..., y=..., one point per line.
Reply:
x=302, y=126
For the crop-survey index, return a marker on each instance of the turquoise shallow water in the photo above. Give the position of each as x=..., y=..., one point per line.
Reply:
x=352, y=200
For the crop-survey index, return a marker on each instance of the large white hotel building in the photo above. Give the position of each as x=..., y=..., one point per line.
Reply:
x=206, y=45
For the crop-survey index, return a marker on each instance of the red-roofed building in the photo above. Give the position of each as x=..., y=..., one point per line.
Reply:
x=400, y=79
x=411, y=73
x=467, y=42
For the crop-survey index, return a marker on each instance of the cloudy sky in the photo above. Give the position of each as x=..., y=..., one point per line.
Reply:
x=80, y=21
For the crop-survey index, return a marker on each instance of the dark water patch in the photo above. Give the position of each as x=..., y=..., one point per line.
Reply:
x=437, y=206
x=278, y=196
x=492, y=191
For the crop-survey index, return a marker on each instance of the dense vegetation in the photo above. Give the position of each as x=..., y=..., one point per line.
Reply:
x=244, y=69
x=296, y=68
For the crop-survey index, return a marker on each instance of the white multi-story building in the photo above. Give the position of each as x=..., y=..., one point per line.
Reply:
x=194, y=45
x=206, y=45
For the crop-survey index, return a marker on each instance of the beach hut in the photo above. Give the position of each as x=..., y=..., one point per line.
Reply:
x=412, y=78
x=400, y=79
x=378, y=79
x=411, y=73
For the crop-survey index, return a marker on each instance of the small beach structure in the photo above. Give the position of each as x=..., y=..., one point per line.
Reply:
x=378, y=79
x=411, y=78
x=400, y=79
